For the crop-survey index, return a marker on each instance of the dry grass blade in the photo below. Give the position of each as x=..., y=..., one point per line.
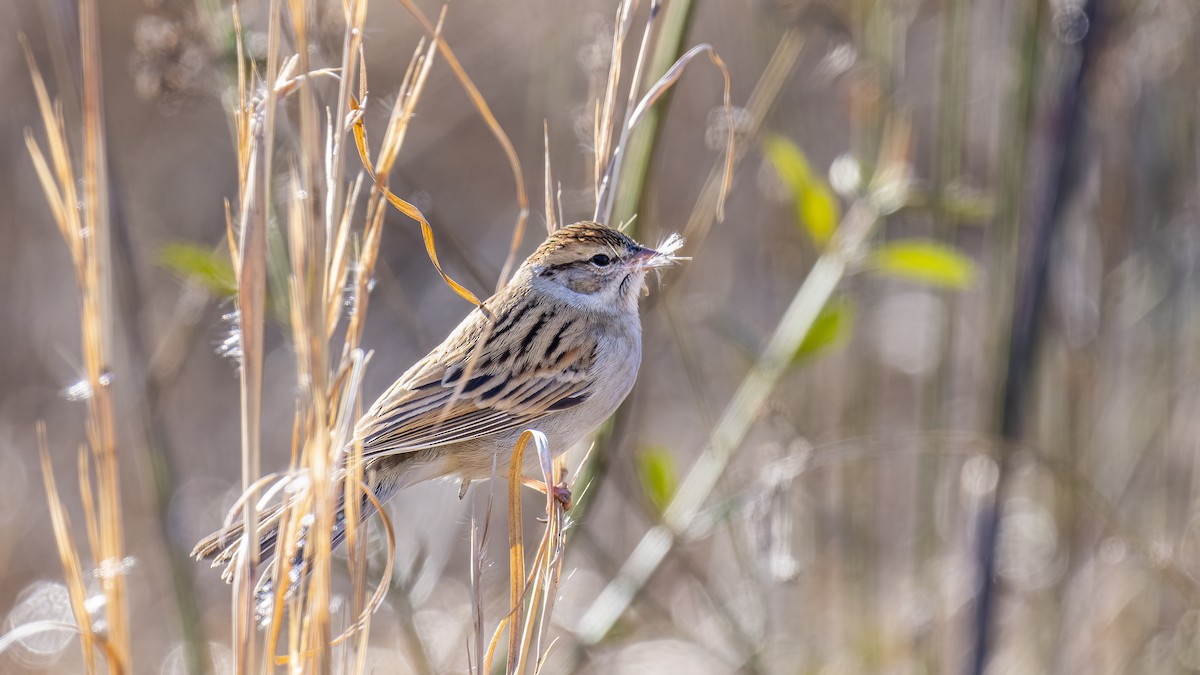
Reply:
x=393, y=140
x=609, y=180
x=355, y=16
x=761, y=99
x=531, y=593
x=376, y=601
x=485, y=112
x=86, y=233
x=553, y=545
x=606, y=110
x=478, y=554
x=339, y=265
x=59, y=185
x=255, y=137
x=360, y=137
x=552, y=224
x=668, y=80
x=516, y=550
x=543, y=578
x=68, y=555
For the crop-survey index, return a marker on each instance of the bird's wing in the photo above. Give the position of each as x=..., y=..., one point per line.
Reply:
x=513, y=384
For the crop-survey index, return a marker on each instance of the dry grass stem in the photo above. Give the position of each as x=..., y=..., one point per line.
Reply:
x=327, y=254
x=610, y=143
x=532, y=590
x=69, y=556
x=762, y=98
x=86, y=233
x=552, y=223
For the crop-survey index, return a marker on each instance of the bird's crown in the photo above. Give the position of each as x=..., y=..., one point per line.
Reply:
x=566, y=244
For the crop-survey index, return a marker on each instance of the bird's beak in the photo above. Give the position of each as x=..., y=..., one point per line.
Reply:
x=644, y=256
x=648, y=258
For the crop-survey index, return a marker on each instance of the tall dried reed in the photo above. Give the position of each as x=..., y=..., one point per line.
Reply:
x=83, y=221
x=331, y=262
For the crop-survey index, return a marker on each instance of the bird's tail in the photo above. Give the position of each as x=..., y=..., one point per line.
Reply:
x=224, y=547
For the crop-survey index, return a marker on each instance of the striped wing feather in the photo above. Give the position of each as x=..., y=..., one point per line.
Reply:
x=533, y=364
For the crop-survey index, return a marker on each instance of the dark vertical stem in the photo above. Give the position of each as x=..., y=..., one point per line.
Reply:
x=1066, y=135
x=151, y=438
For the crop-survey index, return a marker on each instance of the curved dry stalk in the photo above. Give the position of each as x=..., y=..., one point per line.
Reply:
x=394, y=135
x=380, y=591
x=765, y=92
x=531, y=593
x=608, y=182
x=489, y=119
x=360, y=138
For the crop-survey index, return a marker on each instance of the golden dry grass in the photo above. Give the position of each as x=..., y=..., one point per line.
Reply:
x=328, y=251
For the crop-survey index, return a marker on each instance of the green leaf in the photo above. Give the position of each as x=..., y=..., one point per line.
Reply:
x=656, y=471
x=817, y=208
x=923, y=261
x=832, y=327
x=819, y=212
x=211, y=268
x=788, y=160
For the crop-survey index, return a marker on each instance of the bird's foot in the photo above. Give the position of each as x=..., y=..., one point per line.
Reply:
x=560, y=491
x=562, y=494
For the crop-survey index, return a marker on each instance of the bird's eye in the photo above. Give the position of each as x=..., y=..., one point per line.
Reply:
x=601, y=260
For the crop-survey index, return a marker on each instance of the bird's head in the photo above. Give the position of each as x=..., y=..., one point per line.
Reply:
x=596, y=267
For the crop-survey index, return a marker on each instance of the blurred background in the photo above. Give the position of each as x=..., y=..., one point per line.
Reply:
x=1024, y=323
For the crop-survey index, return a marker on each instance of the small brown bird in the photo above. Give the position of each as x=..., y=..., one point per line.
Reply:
x=560, y=352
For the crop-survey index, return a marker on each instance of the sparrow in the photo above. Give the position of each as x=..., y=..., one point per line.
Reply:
x=557, y=349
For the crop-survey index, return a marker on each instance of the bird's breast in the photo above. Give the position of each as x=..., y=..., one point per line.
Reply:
x=618, y=357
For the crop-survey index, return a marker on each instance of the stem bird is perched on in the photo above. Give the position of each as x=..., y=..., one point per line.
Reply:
x=559, y=353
